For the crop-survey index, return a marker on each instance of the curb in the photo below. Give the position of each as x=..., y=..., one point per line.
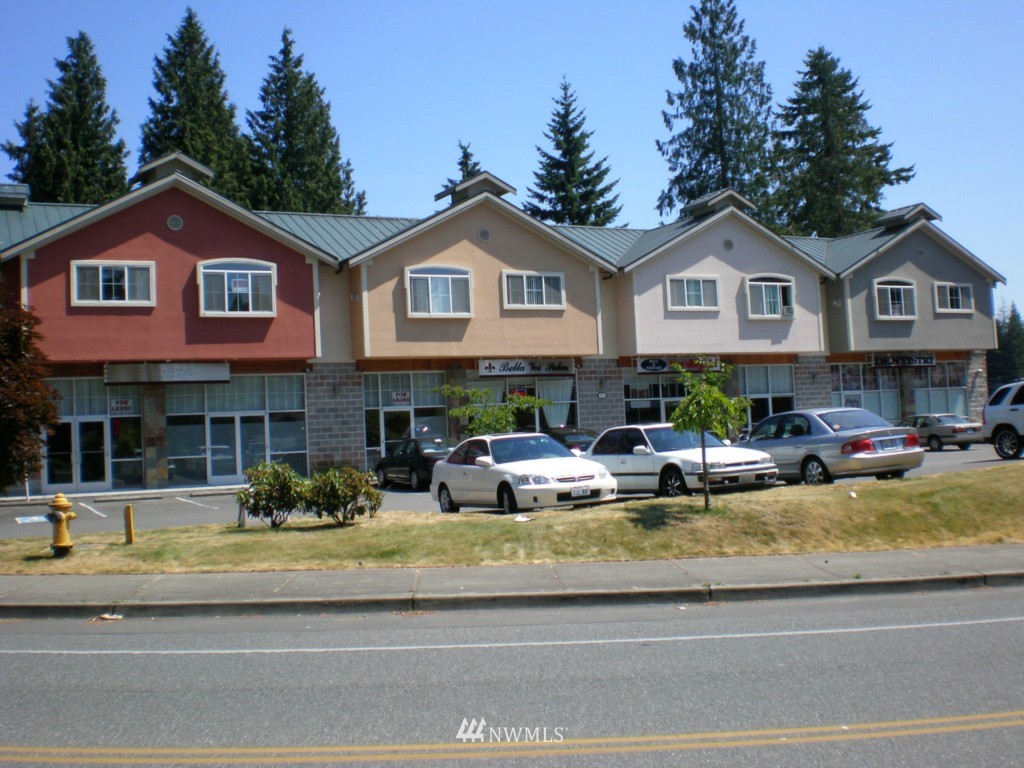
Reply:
x=401, y=603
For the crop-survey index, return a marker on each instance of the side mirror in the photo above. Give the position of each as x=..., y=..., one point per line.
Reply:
x=641, y=450
x=484, y=461
x=727, y=441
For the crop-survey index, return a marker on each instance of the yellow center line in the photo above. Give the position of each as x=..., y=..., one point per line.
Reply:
x=455, y=750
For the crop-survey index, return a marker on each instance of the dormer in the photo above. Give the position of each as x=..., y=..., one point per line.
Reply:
x=471, y=187
x=908, y=214
x=170, y=164
x=14, y=197
x=715, y=202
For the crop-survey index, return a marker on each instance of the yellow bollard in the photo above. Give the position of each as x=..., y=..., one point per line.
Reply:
x=60, y=515
x=129, y=526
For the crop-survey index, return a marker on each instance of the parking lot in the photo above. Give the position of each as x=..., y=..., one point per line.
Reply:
x=185, y=507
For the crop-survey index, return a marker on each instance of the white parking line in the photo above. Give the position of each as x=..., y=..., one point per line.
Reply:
x=189, y=501
x=94, y=511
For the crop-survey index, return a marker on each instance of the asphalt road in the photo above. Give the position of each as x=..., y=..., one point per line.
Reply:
x=166, y=509
x=932, y=679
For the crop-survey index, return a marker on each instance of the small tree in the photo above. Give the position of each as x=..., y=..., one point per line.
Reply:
x=706, y=407
x=27, y=404
x=487, y=417
x=341, y=494
x=275, y=491
x=468, y=167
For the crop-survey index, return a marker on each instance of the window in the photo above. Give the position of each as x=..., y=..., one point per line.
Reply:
x=770, y=389
x=541, y=290
x=693, y=293
x=894, y=300
x=438, y=292
x=950, y=297
x=123, y=283
x=855, y=385
x=770, y=296
x=232, y=288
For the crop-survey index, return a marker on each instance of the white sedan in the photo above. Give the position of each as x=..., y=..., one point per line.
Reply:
x=655, y=458
x=517, y=471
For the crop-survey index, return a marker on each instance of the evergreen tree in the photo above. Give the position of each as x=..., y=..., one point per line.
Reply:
x=724, y=106
x=27, y=404
x=70, y=153
x=191, y=113
x=295, y=151
x=468, y=167
x=1007, y=362
x=830, y=166
x=570, y=186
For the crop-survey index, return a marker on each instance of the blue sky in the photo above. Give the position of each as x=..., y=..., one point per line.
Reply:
x=408, y=80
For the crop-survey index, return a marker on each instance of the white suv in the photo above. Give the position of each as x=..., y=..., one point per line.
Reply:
x=1004, y=420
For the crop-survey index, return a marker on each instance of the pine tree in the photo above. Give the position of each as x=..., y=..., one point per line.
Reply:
x=27, y=404
x=831, y=168
x=295, y=151
x=725, y=108
x=1007, y=362
x=192, y=113
x=468, y=167
x=70, y=153
x=570, y=186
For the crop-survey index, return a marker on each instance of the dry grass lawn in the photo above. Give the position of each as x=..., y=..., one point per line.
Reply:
x=957, y=509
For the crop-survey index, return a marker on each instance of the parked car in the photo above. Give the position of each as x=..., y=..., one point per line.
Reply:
x=1003, y=420
x=817, y=445
x=655, y=458
x=937, y=430
x=517, y=471
x=412, y=462
x=576, y=440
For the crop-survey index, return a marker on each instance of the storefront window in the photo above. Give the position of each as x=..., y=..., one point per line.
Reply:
x=399, y=405
x=941, y=388
x=769, y=388
x=651, y=398
x=855, y=385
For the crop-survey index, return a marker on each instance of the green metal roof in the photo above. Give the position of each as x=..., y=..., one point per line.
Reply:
x=19, y=224
x=607, y=244
x=341, y=236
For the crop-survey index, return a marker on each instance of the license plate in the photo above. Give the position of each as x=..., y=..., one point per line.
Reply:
x=744, y=479
x=580, y=490
x=889, y=445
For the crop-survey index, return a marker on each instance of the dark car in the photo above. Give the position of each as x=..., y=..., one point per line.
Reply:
x=817, y=445
x=575, y=439
x=412, y=462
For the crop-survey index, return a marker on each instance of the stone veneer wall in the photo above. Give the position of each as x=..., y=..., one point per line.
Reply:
x=977, y=384
x=593, y=378
x=812, y=381
x=335, y=419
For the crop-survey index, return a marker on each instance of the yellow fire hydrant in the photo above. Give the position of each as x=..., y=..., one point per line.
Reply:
x=60, y=515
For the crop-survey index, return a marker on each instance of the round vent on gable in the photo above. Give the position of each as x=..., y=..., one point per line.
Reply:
x=484, y=234
x=727, y=244
x=175, y=222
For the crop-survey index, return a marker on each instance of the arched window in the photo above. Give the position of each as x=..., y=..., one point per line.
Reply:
x=232, y=288
x=895, y=300
x=770, y=296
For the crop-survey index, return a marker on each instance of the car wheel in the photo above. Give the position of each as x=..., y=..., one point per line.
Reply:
x=507, y=500
x=965, y=446
x=934, y=443
x=672, y=483
x=382, y=481
x=444, y=498
x=814, y=472
x=415, y=481
x=1007, y=444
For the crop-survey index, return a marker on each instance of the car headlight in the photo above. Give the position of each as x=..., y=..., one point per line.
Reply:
x=765, y=460
x=534, y=480
x=711, y=465
x=602, y=473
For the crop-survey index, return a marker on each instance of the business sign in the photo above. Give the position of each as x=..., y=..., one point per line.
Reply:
x=904, y=361
x=401, y=397
x=664, y=365
x=154, y=373
x=520, y=367
x=120, y=406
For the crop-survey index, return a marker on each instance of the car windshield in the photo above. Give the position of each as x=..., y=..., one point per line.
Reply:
x=436, y=446
x=667, y=439
x=527, y=447
x=949, y=418
x=839, y=421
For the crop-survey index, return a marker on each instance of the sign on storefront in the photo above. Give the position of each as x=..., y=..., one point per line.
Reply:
x=904, y=361
x=664, y=365
x=401, y=397
x=145, y=373
x=520, y=367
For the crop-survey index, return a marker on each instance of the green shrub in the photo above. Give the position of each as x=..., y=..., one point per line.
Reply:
x=341, y=494
x=275, y=491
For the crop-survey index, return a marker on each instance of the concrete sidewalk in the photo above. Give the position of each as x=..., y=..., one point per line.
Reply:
x=403, y=589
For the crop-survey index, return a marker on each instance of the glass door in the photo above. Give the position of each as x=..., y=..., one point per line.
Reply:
x=237, y=443
x=397, y=427
x=76, y=457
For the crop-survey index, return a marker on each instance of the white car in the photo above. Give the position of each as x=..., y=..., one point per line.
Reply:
x=655, y=458
x=517, y=471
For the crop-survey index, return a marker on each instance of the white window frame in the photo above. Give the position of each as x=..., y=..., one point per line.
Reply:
x=686, y=280
x=507, y=275
x=437, y=272
x=246, y=266
x=76, y=301
x=787, y=309
x=943, y=290
x=895, y=283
